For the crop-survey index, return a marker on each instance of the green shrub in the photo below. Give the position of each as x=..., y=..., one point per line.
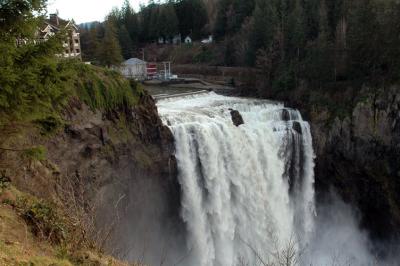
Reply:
x=39, y=87
x=49, y=125
x=31, y=81
x=205, y=56
x=43, y=219
x=4, y=180
x=37, y=153
x=105, y=89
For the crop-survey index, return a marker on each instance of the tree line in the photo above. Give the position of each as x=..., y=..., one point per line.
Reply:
x=124, y=31
x=319, y=41
x=289, y=41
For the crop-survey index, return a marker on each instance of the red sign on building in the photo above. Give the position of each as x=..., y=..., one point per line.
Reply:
x=151, y=70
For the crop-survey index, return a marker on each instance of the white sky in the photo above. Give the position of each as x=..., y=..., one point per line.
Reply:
x=87, y=10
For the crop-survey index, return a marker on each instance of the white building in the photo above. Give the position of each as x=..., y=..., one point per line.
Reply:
x=52, y=26
x=188, y=39
x=161, y=40
x=207, y=41
x=177, y=39
x=72, y=45
x=134, y=68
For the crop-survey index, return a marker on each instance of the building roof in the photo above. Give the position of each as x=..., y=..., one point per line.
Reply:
x=57, y=23
x=134, y=61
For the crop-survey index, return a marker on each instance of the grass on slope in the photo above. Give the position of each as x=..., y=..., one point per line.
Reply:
x=20, y=245
x=105, y=89
x=42, y=101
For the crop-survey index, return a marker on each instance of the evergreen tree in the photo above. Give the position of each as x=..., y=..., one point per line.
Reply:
x=220, y=27
x=168, y=21
x=144, y=22
x=323, y=32
x=109, y=52
x=265, y=27
x=296, y=40
x=90, y=43
x=364, y=39
x=32, y=80
x=19, y=19
x=231, y=15
x=311, y=9
x=153, y=28
x=125, y=42
x=192, y=17
x=319, y=63
x=130, y=21
x=391, y=40
x=297, y=30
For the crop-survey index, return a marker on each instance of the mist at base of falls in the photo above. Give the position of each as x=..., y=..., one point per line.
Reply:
x=247, y=192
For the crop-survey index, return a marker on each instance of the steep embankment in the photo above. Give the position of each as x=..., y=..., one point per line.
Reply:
x=357, y=142
x=101, y=163
x=123, y=161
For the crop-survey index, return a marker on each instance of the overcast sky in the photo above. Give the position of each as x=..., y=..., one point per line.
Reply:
x=87, y=10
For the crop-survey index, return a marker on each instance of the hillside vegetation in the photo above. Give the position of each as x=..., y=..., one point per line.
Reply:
x=33, y=232
x=36, y=89
x=36, y=83
x=315, y=43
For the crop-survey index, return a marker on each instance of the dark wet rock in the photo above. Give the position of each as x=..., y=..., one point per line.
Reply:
x=357, y=144
x=297, y=127
x=237, y=118
x=285, y=115
x=72, y=131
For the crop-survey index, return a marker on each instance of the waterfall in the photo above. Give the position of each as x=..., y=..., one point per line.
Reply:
x=247, y=191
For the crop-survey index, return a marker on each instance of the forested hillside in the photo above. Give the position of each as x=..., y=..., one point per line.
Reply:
x=290, y=41
x=125, y=32
x=319, y=41
x=40, y=93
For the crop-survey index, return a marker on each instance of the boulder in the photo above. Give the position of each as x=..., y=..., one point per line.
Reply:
x=237, y=118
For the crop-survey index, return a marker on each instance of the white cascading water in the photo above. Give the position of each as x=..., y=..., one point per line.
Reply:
x=247, y=191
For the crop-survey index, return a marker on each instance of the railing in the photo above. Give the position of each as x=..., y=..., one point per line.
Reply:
x=20, y=42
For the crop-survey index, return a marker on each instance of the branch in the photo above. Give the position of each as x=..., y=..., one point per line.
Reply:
x=14, y=150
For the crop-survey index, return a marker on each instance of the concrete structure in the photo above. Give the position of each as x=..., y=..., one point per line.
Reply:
x=165, y=71
x=134, y=68
x=137, y=69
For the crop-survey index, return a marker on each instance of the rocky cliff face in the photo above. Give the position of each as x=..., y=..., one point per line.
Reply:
x=359, y=155
x=357, y=142
x=125, y=160
x=116, y=171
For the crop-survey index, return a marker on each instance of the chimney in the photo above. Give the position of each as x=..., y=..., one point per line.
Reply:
x=54, y=19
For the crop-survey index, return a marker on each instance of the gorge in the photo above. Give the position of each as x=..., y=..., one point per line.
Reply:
x=247, y=191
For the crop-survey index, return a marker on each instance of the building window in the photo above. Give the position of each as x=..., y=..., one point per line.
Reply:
x=76, y=41
x=77, y=51
x=66, y=51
